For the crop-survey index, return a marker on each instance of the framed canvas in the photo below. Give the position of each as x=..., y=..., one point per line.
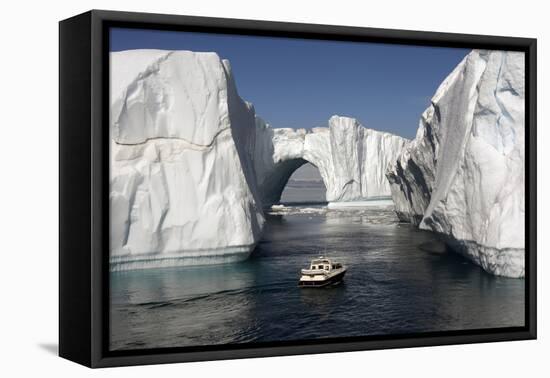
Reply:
x=235, y=188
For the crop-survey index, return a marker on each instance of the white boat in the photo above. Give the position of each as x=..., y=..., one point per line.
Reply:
x=322, y=272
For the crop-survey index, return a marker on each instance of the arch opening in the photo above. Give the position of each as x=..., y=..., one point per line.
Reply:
x=304, y=186
x=307, y=183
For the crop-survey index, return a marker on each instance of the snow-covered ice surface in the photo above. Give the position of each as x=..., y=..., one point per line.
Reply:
x=182, y=183
x=463, y=175
x=351, y=159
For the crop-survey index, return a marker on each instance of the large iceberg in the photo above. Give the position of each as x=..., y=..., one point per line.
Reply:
x=463, y=176
x=352, y=160
x=183, y=189
x=191, y=165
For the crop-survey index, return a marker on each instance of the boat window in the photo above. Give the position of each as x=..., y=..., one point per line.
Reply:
x=326, y=267
x=313, y=267
x=320, y=267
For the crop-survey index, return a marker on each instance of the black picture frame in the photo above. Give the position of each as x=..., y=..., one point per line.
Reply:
x=84, y=187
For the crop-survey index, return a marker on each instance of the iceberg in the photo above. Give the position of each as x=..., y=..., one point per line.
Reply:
x=463, y=176
x=352, y=159
x=182, y=182
x=192, y=167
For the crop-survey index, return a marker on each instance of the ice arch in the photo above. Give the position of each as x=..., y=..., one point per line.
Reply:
x=351, y=159
x=191, y=165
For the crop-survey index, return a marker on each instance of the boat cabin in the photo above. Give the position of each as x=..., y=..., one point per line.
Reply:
x=324, y=264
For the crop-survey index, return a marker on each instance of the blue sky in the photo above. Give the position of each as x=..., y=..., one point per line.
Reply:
x=301, y=83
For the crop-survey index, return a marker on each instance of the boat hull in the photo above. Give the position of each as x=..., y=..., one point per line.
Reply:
x=332, y=280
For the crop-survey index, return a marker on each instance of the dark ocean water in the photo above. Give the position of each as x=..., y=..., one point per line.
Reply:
x=399, y=280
